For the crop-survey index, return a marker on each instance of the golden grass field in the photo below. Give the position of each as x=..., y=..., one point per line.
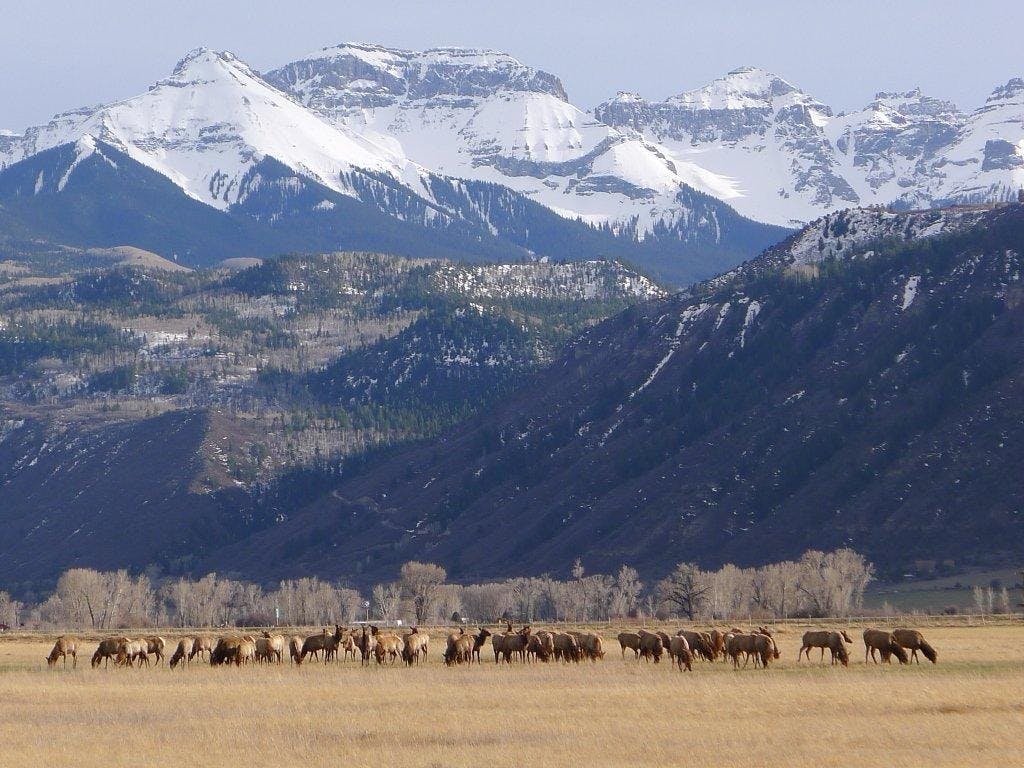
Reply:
x=967, y=710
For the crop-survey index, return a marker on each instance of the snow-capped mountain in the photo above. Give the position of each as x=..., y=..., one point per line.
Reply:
x=362, y=147
x=789, y=159
x=207, y=126
x=486, y=116
x=474, y=155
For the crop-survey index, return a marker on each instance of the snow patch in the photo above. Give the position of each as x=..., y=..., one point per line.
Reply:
x=910, y=292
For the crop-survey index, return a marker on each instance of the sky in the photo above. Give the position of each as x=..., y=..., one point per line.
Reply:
x=59, y=55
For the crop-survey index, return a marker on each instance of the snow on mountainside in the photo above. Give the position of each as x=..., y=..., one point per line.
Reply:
x=208, y=124
x=485, y=116
x=577, y=282
x=458, y=153
x=789, y=159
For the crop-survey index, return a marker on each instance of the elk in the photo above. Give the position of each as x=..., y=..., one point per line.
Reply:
x=155, y=646
x=459, y=648
x=629, y=640
x=202, y=644
x=295, y=648
x=823, y=638
x=183, y=653
x=415, y=645
x=567, y=647
x=131, y=651
x=679, y=651
x=478, y=642
x=270, y=647
x=388, y=647
x=321, y=643
x=651, y=646
x=516, y=644
x=367, y=645
x=592, y=646
x=64, y=646
x=700, y=643
x=106, y=650
x=761, y=647
x=885, y=643
x=541, y=646
x=914, y=641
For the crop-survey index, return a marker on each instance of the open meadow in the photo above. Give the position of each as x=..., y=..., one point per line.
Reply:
x=967, y=709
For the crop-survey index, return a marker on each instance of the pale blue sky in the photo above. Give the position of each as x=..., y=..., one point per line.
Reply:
x=59, y=55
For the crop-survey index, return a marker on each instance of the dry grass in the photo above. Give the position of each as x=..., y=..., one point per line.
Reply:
x=969, y=709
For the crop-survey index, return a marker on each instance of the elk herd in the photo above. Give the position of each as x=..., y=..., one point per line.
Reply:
x=371, y=645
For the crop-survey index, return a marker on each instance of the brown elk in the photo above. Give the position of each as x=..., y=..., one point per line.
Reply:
x=459, y=649
x=295, y=648
x=321, y=643
x=884, y=642
x=629, y=640
x=541, y=646
x=64, y=646
x=131, y=651
x=679, y=651
x=914, y=641
x=478, y=642
x=367, y=645
x=270, y=647
x=415, y=645
x=516, y=644
x=155, y=647
x=202, y=644
x=106, y=650
x=700, y=643
x=761, y=647
x=822, y=638
x=652, y=646
x=567, y=647
x=591, y=646
x=183, y=653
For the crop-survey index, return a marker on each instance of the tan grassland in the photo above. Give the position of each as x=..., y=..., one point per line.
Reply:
x=967, y=710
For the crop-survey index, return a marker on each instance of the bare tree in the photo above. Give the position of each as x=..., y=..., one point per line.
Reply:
x=626, y=591
x=686, y=589
x=10, y=610
x=421, y=583
x=386, y=598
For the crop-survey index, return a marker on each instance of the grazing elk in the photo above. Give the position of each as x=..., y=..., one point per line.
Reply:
x=629, y=640
x=914, y=641
x=567, y=647
x=202, y=644
x=155, y=647
x=64, y=646
x=700, y=643
x=835, y=642
x=884, y=642
x=131, y=651
x=107, y=650
x=679, y=651
x=459, y=648
x=652, y=646
x=183, y=653
x=762, y=647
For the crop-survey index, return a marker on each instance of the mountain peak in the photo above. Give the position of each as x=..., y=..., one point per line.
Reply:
x=743, y=88
x=383, y=75
x=1014, y=88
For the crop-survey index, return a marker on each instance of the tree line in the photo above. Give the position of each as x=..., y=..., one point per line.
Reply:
x=819, y=584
